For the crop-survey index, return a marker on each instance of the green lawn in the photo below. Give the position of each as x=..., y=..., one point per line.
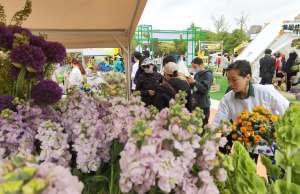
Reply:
x=222, y=81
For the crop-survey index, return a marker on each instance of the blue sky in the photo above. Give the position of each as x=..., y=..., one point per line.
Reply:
x=178, y=14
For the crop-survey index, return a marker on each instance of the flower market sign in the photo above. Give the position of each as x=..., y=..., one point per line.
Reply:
x=293, y=26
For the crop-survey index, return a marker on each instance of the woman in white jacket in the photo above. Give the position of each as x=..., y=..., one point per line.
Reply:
x=244, y=95
x=76, y=77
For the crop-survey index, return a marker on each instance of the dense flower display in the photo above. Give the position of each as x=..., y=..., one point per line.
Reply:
x=169, y=153
x=46, y=92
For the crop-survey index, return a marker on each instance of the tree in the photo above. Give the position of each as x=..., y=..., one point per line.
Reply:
x=242, y=21
x=180, y=46
x=220, y=23
x=232, y=40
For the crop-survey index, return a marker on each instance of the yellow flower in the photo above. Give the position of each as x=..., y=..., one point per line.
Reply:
x=148, y=132
x=262, y=129
x=247, y=134
x=243, y=129
x=274, y=118
x=244, y=115
x=257, y=139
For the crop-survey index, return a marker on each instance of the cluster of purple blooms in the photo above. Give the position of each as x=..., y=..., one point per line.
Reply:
x=33, y=55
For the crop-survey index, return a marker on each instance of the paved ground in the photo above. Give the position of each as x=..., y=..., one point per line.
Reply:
x=213, y=109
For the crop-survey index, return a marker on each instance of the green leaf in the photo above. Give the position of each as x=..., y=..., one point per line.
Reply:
x=23, y=174
x=272, y=170
x=241, y=169
x=288, y=128
x=97, y=178
x=282, y=187
x=18, y=161
x=34, y=186
x=13, y=187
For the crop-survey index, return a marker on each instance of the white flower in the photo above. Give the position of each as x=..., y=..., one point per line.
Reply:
x=223, y=141
x=222, y=175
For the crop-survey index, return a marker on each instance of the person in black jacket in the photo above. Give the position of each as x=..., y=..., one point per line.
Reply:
x=201, y=85
x=170, y=86
x=289, y=71
x=148, y=81
x=267, y=68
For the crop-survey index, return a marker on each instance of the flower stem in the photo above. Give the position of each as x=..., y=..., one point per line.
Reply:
x=20, y=83
x=289, y=168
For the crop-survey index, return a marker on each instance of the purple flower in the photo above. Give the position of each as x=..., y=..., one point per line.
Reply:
x=30, y=56
x=6, y=37
x=6, y=102
x=54, y=51
x=37, y=41
x=20, y=30
x=46, y=92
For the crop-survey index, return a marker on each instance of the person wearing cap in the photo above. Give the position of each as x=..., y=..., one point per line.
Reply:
x=148, y=81
x=267, y=68
x=170, y=86
x=118, y=65
x=201, y=84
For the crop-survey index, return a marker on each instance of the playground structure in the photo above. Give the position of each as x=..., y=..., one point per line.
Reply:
x=145, y=36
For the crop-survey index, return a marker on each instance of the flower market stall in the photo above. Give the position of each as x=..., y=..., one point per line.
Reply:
x=84, y=24
x=105, y=143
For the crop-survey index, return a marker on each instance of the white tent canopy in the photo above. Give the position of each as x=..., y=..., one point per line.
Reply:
x=83, y=23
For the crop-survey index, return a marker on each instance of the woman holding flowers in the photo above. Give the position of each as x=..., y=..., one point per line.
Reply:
x=244, y=95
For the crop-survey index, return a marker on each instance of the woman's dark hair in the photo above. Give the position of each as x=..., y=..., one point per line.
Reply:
x=242, y=66
x=197, y=61
x=146, y=54
x=137, y=55
x=293, y=56
x=268, y=51
x=169, y=58
x=79, y=65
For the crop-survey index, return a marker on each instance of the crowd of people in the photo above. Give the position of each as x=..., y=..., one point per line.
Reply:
x=275, y=69
x=158, y=89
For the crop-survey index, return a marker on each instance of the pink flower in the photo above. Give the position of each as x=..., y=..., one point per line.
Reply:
x=222, y=175
x=205, y=177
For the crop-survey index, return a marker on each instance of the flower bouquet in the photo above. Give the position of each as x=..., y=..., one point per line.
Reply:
x=255, y=130
x=25, y=58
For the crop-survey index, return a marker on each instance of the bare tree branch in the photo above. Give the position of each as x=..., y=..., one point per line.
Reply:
x=242, y=21
x=220, y=23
